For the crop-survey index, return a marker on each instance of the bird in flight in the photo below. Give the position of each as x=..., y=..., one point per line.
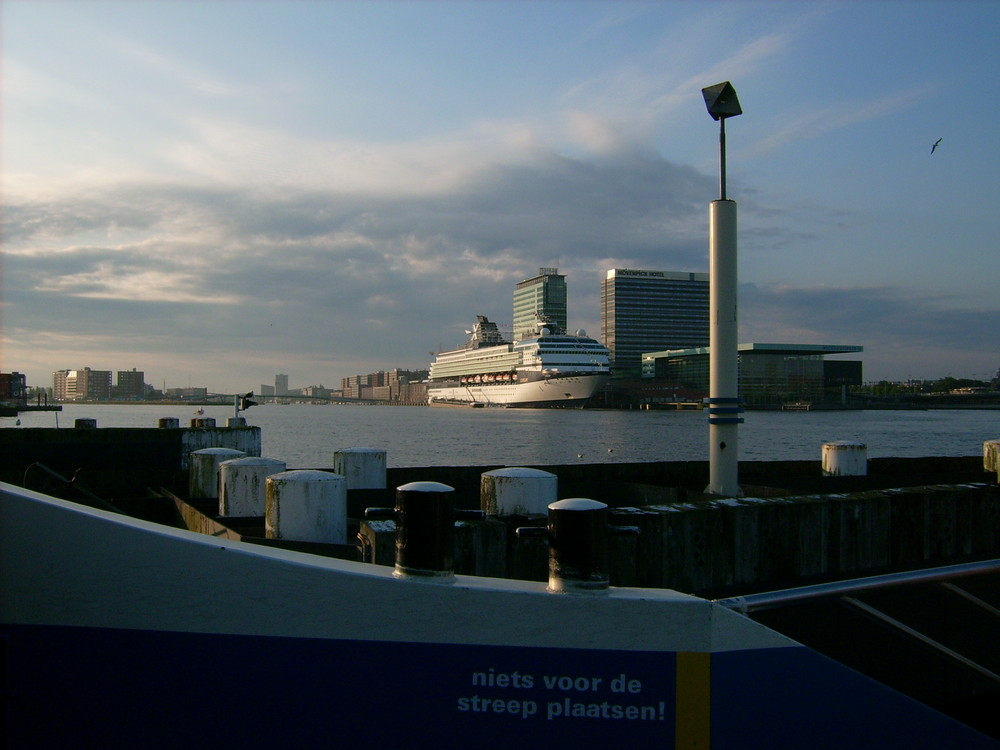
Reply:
x=936, y=144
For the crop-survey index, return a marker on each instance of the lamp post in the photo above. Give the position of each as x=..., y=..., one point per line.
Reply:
x=723, y=389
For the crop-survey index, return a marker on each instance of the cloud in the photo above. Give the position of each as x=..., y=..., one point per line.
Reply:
x=328, y=276
x=324, y=273
x=893, y=324
x=819, y=121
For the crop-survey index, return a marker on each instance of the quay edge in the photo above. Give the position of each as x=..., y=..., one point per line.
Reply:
x=109, y=601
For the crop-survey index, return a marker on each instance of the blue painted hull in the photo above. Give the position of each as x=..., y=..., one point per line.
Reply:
x=121, y=634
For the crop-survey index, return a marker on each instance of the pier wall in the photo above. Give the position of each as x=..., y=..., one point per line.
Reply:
x=727, y=547
x=115, y=461
x=793, y=526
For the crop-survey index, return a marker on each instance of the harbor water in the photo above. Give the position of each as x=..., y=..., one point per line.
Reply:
x=306, y=436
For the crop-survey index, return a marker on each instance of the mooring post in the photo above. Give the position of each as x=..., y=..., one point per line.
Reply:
x=425, y=516
x=243, y=484
x=578, y=533
x=203, y=471
x=306, y=505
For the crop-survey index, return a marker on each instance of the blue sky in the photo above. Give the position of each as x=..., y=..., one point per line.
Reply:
x=213, y=192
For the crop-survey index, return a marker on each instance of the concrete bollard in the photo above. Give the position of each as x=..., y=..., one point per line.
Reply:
x=203, y=422
x=991, y=456
x=85, y=424
x=844, y=458
x=364, y=468
x=425, y=516
x=306, y=505
x=243, y=484
x=169, y=423
x=517, y=491
x=203, y=470
x=578, y=533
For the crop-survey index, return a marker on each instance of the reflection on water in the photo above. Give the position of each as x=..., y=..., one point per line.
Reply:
x=307, y=436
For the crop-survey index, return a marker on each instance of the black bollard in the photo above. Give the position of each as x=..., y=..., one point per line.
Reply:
x=578, y=534
x=425, y=518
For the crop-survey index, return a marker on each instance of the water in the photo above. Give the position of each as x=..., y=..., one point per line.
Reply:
x=307, y=435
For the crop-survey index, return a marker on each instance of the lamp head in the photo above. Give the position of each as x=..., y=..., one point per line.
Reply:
x=721, y=101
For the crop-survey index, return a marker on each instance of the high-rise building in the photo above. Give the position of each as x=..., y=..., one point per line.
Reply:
x=541, y=298
x=77, y=385
x=131, y=384
x=647, y=311
x=280, y=384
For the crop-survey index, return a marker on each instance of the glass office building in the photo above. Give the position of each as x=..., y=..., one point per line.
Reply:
x=540, y=298
x=645, y=311
x=770, y=375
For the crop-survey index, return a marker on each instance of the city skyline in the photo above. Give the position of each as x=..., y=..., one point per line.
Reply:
x=221, y=190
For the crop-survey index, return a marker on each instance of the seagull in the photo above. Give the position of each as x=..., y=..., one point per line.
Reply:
x=936, y=144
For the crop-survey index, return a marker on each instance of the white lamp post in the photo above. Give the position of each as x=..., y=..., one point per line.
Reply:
x=723, y=390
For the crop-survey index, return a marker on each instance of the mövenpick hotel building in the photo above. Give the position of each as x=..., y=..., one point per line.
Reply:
x=646, y=311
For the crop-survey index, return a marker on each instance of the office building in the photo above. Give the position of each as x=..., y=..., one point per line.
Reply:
x=645, y=311
x=281, y=385
x=131, y=384
x=540, y=299
x=79, y=385
x=771, y=376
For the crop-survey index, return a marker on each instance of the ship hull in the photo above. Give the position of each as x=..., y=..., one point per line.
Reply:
x=118, y=633
x=541, y=392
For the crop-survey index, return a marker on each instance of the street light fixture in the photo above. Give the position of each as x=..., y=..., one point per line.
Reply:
x=722, y=103
x=723, y=390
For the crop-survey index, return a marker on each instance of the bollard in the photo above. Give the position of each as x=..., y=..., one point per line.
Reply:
x=199, y=422
x=203, y=471
x=991, y=456
x=85, y=424
x=243, y=484
x=517, y=491
x=306, y=505
x=425, y=518
x=843, y=458
x=169, y=423
x=236, y=422
x=364, y=468
x=577, y=533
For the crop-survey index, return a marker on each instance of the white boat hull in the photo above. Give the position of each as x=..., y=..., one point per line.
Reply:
x=558, y=391
x=120, y=634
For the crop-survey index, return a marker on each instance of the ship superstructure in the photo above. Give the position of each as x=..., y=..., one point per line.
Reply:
x=551, y=368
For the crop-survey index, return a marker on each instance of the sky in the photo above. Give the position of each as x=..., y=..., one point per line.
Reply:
x=214, y=192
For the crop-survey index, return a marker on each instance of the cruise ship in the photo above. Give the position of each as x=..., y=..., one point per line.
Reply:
x=549, y=369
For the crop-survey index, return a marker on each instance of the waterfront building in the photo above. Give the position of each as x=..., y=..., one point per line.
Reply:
x=13, y=388
x=540, y=298
x=770, y=375
x=643, y=311
x=80, y=385
x=131, y=384
x=280, y=384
